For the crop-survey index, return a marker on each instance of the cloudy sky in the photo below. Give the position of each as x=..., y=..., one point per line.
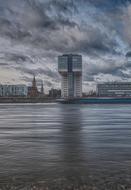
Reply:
x=34, y=32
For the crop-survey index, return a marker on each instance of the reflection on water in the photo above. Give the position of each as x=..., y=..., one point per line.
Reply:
x=65, y=146
x=71, y=141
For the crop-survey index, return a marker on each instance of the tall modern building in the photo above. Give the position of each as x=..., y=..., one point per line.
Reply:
x=70, y=69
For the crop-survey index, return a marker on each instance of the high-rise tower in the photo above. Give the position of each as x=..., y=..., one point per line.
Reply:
x=70, y=69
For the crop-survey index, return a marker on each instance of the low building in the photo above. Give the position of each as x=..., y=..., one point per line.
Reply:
x=13, y=90
x=114, y=89
x=54, y=93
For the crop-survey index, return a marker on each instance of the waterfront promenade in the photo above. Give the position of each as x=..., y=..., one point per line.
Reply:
x=27, y=100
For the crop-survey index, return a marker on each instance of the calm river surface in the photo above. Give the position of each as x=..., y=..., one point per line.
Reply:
x=54, y=146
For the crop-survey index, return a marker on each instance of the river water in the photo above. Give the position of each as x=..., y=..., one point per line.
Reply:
x=55, y=146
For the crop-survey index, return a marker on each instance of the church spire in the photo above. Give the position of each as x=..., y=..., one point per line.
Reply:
x=34, y=91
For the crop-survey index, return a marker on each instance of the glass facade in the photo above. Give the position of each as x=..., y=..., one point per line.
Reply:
x=77, y=63
x=114, y=89
x=70, y=68
x=71, y=84
x=13, y=90
x=70, y=63
x=63, y=63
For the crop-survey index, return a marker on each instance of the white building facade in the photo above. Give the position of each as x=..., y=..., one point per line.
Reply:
x=13, y=90
x=70, y=69
x=114, y=89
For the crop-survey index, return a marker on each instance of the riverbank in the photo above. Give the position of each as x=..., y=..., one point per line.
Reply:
x=27, y=100
x=97, y=100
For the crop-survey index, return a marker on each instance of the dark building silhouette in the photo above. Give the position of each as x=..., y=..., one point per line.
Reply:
x=41, y=93
x=55, y=93
x=42, y=88
x=29, y=90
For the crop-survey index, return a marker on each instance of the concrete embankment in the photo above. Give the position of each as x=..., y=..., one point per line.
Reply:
x=26, y=100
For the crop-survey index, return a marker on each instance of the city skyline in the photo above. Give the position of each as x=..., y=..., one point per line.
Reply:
x=34, y=33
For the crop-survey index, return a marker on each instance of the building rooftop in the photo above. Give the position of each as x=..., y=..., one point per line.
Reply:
x=70, y=54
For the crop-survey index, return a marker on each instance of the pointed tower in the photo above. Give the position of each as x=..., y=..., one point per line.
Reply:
x=34, y=91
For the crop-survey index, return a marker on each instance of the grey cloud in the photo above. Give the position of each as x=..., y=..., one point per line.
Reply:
x=94, y=39
x=18, y=58
x=128, y=54
x=97, y=41
x=38, y=71
x=55, y=27
x=106, y=67
x=48, y=83
x=3, y=64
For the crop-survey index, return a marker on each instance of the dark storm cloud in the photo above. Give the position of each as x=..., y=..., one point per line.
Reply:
x=44, y=29
x=45, y=14
x=104, y=70
x=38, y=71
x=3, y=64
x=128, y=54
x=106, y=5
x=95, y=42
x=18, y=58
x=93, y=39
